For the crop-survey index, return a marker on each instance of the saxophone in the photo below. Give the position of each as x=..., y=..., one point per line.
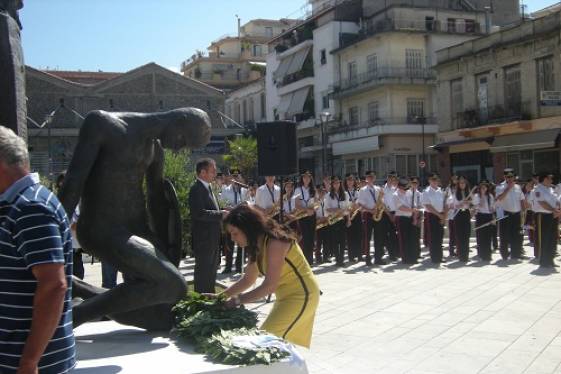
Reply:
x=380, y=207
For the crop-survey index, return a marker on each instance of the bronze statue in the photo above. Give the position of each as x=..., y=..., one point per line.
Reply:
x=12, y=7
x=115, y=154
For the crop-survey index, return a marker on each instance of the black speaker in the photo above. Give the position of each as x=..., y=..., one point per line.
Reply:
x=276, y=148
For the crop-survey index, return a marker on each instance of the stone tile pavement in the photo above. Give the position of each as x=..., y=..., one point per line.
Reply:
x=502, y=317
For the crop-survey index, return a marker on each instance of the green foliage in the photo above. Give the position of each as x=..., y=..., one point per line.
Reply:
x=179, y=169
x=243, y=155
x=211, y=327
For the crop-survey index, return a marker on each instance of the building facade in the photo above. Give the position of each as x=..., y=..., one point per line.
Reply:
x=234, y=60
x=58, y=101
x=247, y=105
x=500, y=102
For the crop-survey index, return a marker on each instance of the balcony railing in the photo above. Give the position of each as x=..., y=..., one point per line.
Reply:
x=383, y=74
x=495, y=114
x=385, y=25
x=219, y=77
x=343, y=126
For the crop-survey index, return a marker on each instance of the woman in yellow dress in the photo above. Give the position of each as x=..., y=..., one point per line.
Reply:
x=274, y=253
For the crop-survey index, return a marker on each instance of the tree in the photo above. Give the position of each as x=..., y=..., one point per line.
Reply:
x=242, y=155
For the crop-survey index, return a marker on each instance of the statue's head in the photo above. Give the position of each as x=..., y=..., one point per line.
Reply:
x=12, y=7
x=186, y=127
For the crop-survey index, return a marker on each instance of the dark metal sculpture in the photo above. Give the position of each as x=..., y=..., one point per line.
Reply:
x=120, y=224
x=13, y=107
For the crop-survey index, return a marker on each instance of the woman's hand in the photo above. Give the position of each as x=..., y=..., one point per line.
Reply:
x=232, y=302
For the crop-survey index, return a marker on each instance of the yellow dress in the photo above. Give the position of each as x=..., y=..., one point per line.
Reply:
x=297, y=297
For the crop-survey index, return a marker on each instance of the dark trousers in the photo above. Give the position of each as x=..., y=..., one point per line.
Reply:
x=323, y=243
x=354, y=238
x=435, y=232
x=495, y=237
x=338, y=241
x=407, y=249
x=462, y=228
x=229, y=252
x=529, y=223
x=308, y=231
x=509, y=231
x=369, y=226
x=546, y=238
x=389, y=236
x=452, y=237
x=78, y=263
x=206, y=264
x=417, y=235
x=484, y=236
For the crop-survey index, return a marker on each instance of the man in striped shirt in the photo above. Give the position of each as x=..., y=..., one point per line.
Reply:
x=35, y=269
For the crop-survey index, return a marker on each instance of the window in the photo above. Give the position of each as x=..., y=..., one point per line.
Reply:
x=244, y=111
x=432, y=164
x=350, y=166
x=257, y=50
x=251, y=116
x=546, y=76
x=414, y=62
x=375, y=165
x=373, y=114
x=237, y=112
x=406, y=165
x=325, y=101
x=263, y=105
x=415, y=109
x=470, y=26
x=353, y=116
x=513, y=91
x=482, y=97
x=352, y=69
x=269, y=32
x=451, y=25
x=372, y=65
x=323, y=57
x=429, y=24
x=457, y=101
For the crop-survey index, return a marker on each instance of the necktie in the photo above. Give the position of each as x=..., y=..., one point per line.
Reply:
x=213, y=197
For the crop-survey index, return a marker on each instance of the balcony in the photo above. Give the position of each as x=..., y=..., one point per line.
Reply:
x=373, y=27
x=222, y=77
x=472, y=118
x=340, y=131
x=382, y=76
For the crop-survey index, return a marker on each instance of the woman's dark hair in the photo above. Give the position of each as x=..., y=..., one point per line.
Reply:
x=340, y=192
x=253, y=224
x=466, y=190
x=60, y=179
x=311, y=186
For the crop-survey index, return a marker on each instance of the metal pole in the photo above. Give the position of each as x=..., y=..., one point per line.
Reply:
x=323, y=150
x=423, y=120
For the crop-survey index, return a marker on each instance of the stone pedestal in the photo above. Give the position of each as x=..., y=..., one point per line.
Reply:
x=13, y=106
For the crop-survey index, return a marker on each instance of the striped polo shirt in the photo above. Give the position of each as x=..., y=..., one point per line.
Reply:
x=34, y=230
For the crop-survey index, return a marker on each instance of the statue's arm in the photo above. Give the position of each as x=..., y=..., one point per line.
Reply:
x=156, y=199
x=86, y=151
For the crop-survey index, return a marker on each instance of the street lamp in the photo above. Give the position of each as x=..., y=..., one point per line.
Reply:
x=324, y=117
x=422, y=120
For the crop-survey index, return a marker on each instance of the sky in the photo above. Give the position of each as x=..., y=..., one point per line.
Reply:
x=120, y=35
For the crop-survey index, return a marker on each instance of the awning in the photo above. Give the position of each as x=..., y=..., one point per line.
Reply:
x=368, y=144
x=526, y=141
x=284, y=103
x=283, y=67
x=292, y=64
x=457, y=146
x=298, y=101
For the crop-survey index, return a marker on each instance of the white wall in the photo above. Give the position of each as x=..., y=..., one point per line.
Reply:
x=273, y=98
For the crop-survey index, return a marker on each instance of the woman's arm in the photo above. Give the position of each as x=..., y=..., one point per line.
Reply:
x=276, y=253
x=250, y=276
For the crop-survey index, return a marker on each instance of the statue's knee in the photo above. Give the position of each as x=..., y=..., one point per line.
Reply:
x=175, y=288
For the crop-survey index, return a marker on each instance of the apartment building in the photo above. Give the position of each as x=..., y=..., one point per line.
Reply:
x=234, y=60
x=499, y=98
x=247, y=105
x=300, y=73
x=385, y=93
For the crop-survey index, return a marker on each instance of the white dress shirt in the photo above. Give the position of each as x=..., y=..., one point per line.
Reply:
x=234, y=195
x=368, y=196
x=545, y=194
x=511, y=202
x=265, y=198
x=305, y=198
x=485, y=205
x=334, y=203
x=403, y=199
x=434, y=197
x=388, y=197
x=321, y=210
x=289, y=205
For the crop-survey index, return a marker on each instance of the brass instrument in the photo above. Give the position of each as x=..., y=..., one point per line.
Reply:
x=322, y=222
x=303, y=212
x=273, y=211
x=380, y=207
x=353, y=212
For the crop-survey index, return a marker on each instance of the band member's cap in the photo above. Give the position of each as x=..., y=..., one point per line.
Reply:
x=434, y=176
x=403, y=183
x=509, y=172
x=235, y=171
x=288, y=180
x=335, y=179
x=306, y=172
x=484, y=182
x=370, y=173
x=414, y=178
x=349, y=176
x=392, y=174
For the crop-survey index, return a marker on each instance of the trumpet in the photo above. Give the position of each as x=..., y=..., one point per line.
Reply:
x=380, y=207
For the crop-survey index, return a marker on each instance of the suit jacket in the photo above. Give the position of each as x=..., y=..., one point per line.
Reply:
x=205, y=220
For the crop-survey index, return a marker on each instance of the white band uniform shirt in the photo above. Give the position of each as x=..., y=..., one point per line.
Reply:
x=368, y=196
x=289, y=204
x=434, y=197
x=544, y=194
x=511, y=202
x=321, y=210
x=485, y=205
x=388, y=197
x=305, y=198
x=403, y=200
x=449, y=192
x=335, y=203
x=266, y=197
x=234, y=195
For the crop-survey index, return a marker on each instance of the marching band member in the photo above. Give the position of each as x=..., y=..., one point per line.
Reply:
x=368, y=196
x=484, y=203
x=389, y=222
x=547, y=215
x=307, y=198
x=417, y=218
x=404, y=203
x=433, y=201
x=336, y=203
x=291, y=203
x=354, y=228
x=528, y=191
x=232, y=194
x=510, y=198
x=251, y=193
x=450, y=191
x=460, y=201
x=323, y=243
x=267, y=197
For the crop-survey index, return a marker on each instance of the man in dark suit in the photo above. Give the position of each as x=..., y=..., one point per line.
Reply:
x=206, y=218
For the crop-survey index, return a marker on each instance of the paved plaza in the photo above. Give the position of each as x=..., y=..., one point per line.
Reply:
x=502, y=317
